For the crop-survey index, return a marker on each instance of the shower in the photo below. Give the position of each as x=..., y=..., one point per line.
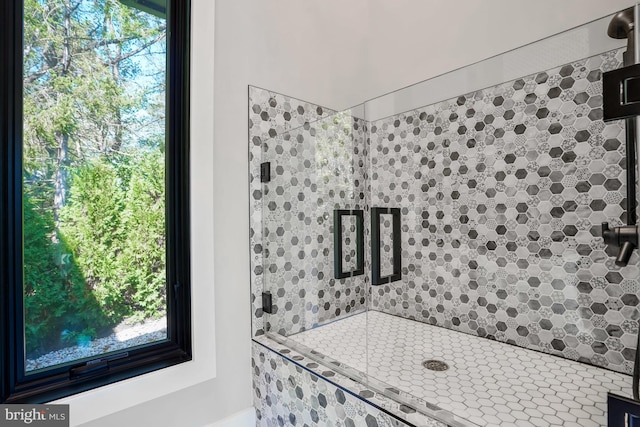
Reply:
x=460, y=252
x=619, y=104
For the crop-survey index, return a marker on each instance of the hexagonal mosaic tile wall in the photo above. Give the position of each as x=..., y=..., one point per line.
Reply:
x=502, y=192
x=317, y=165
x=298, y=220
x=270, y=114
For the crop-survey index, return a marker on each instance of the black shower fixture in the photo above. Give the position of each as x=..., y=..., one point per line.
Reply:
x=621, y=27
x=625, y=238
x=621, y=100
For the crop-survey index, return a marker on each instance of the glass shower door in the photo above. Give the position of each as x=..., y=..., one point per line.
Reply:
x=314, y=187
x=504, y=172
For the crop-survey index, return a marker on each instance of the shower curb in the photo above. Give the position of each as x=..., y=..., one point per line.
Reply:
x=402, y=406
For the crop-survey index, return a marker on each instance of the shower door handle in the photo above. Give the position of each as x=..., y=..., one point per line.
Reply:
x=338, y=214
x=376, y=245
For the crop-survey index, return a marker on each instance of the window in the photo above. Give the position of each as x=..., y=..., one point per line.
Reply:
x=94, y=190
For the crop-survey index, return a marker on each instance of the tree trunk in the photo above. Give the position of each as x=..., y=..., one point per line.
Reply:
x=62, y=158
x=115, y=72
x=62, y=136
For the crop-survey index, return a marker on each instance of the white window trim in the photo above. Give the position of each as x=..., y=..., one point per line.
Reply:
x=105, y=400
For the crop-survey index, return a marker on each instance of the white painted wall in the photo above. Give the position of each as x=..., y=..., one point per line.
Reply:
x=573, y=45
x=246, y=418
x=436, y=36
x=229, y=392
x=335, y=53
x=340, y=53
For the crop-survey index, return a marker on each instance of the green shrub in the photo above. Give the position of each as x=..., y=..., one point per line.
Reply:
x=56, y=297
x=114, y=223
x=106, y=262
x=143, y=263
x=91, y=223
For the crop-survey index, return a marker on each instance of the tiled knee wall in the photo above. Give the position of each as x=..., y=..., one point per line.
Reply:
x=285, y=394
x=502, y=192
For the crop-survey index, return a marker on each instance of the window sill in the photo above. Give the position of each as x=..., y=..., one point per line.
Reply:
x=116, y=397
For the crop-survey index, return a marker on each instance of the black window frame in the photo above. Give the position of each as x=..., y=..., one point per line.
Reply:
x=58, y=382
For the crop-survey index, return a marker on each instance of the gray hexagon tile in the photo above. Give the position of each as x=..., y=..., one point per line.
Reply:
x=297, y=220
x=287, y=394
x=502, y=193
x=270, y=114
x=349, y=240
x=409, y=408
x=488, y=383
x=386, y=245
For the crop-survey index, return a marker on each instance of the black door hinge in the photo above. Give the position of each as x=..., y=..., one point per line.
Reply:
x=267, y=302
x=265, y=172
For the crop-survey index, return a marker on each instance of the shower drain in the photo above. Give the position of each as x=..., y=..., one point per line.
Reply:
x=435, y=365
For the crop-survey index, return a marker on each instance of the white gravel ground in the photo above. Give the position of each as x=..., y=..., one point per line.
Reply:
x=125, y=336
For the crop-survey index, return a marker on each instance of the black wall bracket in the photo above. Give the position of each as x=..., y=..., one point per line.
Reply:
x=267, y=303
x=621, y=93
x=265, y=172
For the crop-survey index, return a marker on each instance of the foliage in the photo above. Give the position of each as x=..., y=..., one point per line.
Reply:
x=55, y=296
x=114, y=225
x=143, y=256
x=94, y=247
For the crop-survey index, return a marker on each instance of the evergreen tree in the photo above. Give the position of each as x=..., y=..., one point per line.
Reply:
x=94, y=89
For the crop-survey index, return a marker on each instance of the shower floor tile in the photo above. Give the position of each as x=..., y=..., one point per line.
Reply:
x=488, y=382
